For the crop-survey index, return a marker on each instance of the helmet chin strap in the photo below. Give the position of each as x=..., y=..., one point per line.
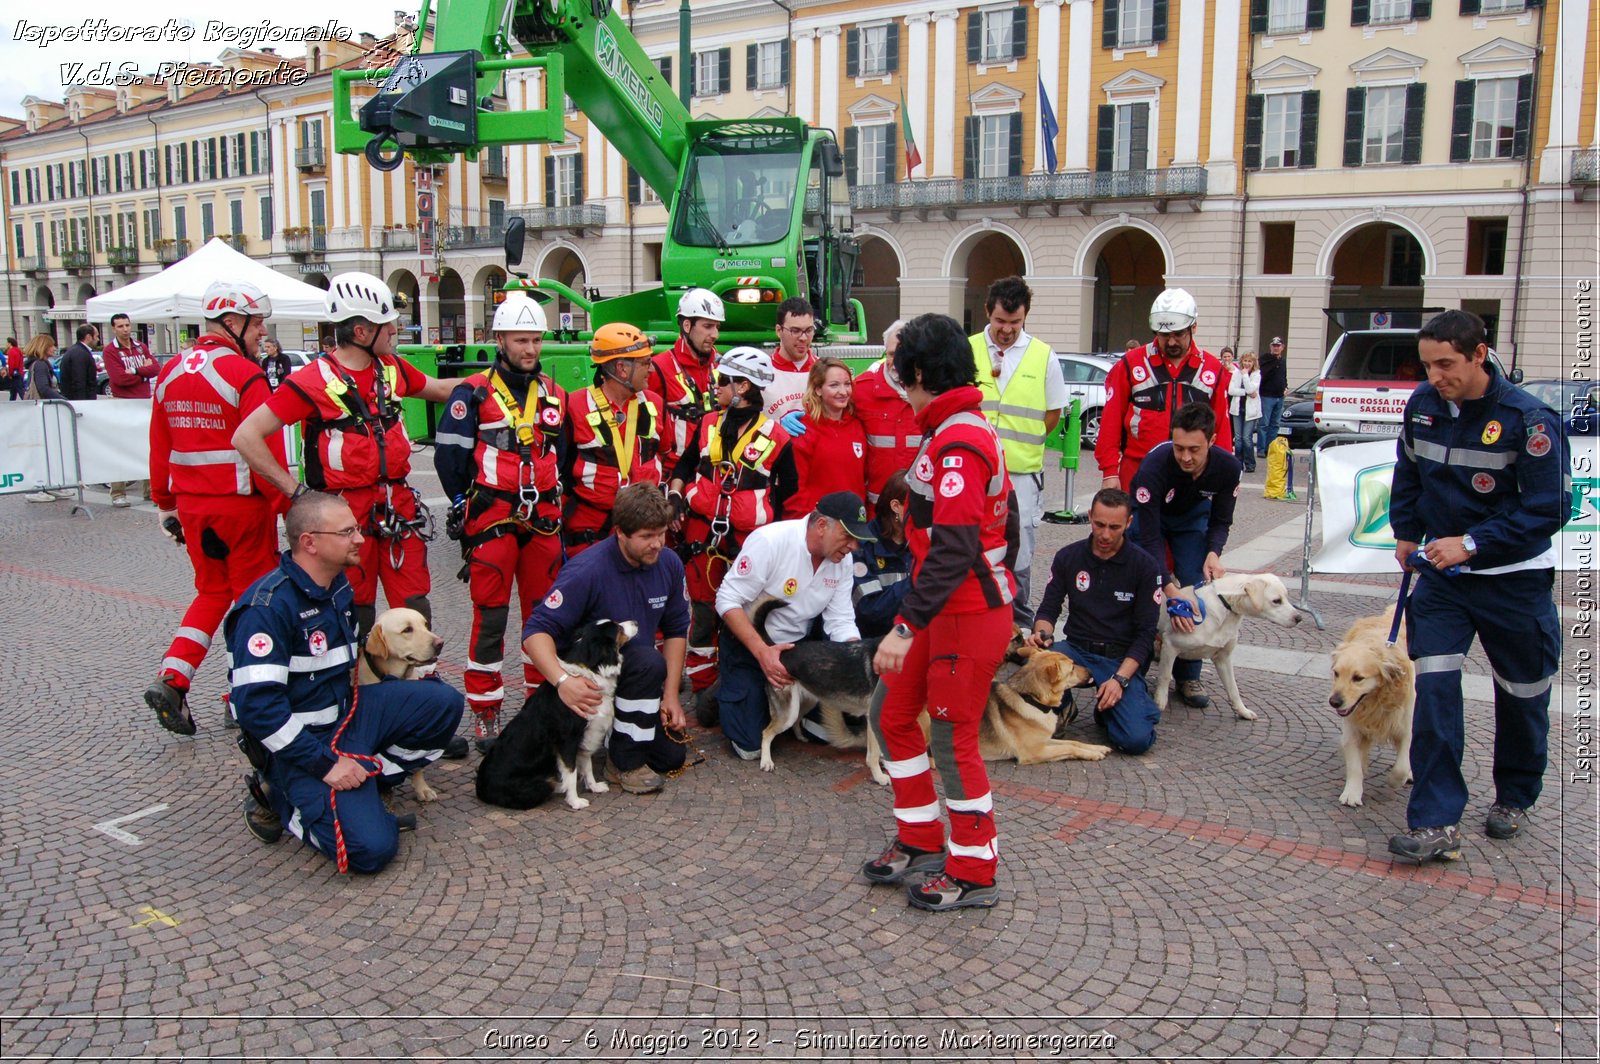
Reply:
x=237, y=338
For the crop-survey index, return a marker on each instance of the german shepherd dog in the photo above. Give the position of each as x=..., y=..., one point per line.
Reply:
x=546, y=739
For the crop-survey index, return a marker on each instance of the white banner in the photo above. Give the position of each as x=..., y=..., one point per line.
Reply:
x=114, y=439
x=1353, y=489
x=36, y=447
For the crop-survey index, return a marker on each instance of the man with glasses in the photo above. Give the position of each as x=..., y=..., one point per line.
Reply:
x=791, y=363
x=321, y=752
x=806, y=565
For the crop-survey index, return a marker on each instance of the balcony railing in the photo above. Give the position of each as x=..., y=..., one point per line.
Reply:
x=310, y=158
x=576, y=216
x=1585, y=172
x=123, y=256
x=305, y=241
x=397, y=239
x=1082, y=189
x=76, y=260
x=32, y=263
x=472, y=236
x=170, y=251
x=236, y=241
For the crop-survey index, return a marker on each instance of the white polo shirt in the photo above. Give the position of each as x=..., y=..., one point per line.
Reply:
x=775, y=562
x=1056, y=396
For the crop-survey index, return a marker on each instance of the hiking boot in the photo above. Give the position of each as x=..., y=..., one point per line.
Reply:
x=899, y=861
x=641, y=780
x=171, y=706
x=1505, y=821
x=455, y=749
x=1193, y=692
x=944, y=892
x=1425, y=844
x=485, y=730
x=259, y=817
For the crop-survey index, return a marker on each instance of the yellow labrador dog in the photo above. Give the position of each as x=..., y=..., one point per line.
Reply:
x=1374, y=691
x=400, y=644
x=1227, y=601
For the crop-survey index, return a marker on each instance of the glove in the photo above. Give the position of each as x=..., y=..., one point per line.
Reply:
x=455, y=521
x=170, y=526
x=794, y=423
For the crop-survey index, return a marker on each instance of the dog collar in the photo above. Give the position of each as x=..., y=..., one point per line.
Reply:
x=372, y=663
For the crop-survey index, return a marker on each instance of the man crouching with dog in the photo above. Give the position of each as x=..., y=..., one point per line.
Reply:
x=952, y=631
x=318, y=748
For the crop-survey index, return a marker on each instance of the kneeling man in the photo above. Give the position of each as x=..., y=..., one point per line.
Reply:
x=806, y=565
x=293, y=645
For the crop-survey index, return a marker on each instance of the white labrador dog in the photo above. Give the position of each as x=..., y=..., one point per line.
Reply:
x=1228, y=601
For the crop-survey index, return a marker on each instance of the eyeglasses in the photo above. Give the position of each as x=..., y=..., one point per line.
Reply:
x=722, y=379
x=809, y=331
x=348, y=533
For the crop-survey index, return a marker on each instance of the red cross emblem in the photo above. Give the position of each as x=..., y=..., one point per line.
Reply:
x=260, y=644
x=318, y=643
x=193, y=362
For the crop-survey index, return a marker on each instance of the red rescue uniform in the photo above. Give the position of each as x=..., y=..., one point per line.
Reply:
x=893, y=434
x=683, y=382
x=831, y=455
x=607, y=448
x=229, y=516
x=356, y=447
x=1143, y=391
x=961, y=532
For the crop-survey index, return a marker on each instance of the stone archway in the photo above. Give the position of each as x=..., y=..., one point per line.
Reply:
x=453, y=328
x=408, y=300
x=990, y=257
x=487, y=285
x=562, y=263
x=1376, y=266
x=877, y=284
x=1130, y=270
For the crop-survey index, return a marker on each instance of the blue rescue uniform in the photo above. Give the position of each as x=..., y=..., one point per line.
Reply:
x=882, y=578
x=292, y=647
x=600, y=583
x=1496, y=469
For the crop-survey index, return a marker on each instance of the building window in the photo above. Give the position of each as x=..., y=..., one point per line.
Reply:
x=1286, y=16
x=1494, y=119
x=16, y=238
x=1390, y=11
x=1497, y=7
x=1131, y=151
x=997, y=36
x=710, y=72
x=1486, y=246
x=872, y=152
x=1135, y=23
x=236, y=218
x=1280, y=137
x=772, y=67
x=497, y=215
x=152, y=226
x=874, y=51
x=208, y=222
x=1405, y=261
x=994, y=146
x=319, y=210
x=265, y=203
x=180, y=223
x=1385, y=125
x=566, y=188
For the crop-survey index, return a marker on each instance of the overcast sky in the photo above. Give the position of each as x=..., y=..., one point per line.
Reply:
x=32, y=67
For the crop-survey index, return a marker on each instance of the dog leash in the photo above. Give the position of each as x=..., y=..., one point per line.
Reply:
x=1417, y=560
x=342, y=855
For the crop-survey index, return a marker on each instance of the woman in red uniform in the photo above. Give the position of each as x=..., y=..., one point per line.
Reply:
x=831, y=454
x=952, y=630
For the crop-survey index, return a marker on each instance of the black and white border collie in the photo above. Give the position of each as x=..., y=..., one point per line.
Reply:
x=546, y=740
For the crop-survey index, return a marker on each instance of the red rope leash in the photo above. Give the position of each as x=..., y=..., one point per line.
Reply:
x=340, y=853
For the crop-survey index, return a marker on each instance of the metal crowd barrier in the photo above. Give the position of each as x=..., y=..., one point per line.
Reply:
x=62, y=464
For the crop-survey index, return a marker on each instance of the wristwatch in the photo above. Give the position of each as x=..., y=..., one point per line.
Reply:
x=1469, y=544
x=1122, y=681
x=901, y=630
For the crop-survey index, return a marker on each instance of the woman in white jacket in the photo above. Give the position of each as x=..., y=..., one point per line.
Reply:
x=1244, y=404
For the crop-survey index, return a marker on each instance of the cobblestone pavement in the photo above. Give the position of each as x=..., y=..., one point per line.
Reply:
x=1210, y=900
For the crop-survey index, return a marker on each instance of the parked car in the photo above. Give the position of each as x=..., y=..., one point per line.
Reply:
x=1086, y=381
x=1297, y=421
x=1577, y=403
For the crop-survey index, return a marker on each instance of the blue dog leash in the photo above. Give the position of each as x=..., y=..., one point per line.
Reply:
x=1417, y=560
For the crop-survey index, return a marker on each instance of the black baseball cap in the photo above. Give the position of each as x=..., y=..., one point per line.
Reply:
x=847, y=508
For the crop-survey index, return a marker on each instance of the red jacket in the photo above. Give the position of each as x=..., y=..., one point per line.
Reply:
x=736, y=485
x=1142, y=394
x=893, y=434
x=500, y=447
x=200, y=399
x=684, y=384
x=14, y=359
x=341, y=430
x=129, y=369
x=959, y=525
x=594, y=439
x=829, y=456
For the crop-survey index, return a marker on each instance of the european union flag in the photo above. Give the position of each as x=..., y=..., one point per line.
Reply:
x=1047, y=120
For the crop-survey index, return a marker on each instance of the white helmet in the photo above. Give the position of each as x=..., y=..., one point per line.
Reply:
x=519, y=313
x=360, y=295
x=701, y=303
x=748, y=363
x=234, y=297
x=1173, y=311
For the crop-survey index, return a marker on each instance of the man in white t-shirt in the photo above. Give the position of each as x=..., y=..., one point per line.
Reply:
x=806, y=564
x=791, y=362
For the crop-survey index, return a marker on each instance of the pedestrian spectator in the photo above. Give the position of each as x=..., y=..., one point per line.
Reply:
x=831, y=454
x=1227, y=359
x=1112, y=589
x=328, y=345
x=1024, y=393
x=1480, y=477
x=37, y=368
x=1147, y=386
x=630, y=576
x=681, y=375
x=129, y=368
x=893, y=435
x=805, y=564
x=497, y=452
x=1185, y=491
x=1131, y=345
x=951, y=633
x=79, y=375
x=317, y=747
x=883, y=565
x=1274, y=383
x=206, y=500
x=791, y=363
x=1244, y=406
x=274, y=363
x=15, y=383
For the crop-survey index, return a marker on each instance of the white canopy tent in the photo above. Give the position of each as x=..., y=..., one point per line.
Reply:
x=175, y=292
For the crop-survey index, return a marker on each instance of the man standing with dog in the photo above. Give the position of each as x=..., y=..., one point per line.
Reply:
x=952, y=631
x=1186, y=490
x=1113, y=595
x=497, y=454
x=1480, y=483
x=805, y=564
x=627, y=577
x=318, y=748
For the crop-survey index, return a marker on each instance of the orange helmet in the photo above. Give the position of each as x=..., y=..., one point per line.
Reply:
x=618, y=341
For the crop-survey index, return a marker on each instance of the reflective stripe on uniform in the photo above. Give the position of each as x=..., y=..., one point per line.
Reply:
x=634, y=732
x=906, y=769
x=984, y=803
x=1522, y=690
x=485, y=666
x=260, y=674
x=414, y=755
x=986, y=852
x=194, y=635
x=179, y=666
x=920, y=814
x=451, y=439
x=337, y=656
x=1440, y=663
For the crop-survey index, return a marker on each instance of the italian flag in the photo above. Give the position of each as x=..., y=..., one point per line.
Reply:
x=913, y=156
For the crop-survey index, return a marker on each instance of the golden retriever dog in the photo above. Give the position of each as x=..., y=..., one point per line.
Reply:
x=1374, y=690
x=399, y=644
x=1226, y=602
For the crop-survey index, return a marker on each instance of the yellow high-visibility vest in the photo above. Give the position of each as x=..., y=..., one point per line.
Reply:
x=1018, y=415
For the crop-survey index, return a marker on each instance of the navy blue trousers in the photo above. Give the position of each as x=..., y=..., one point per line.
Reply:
x=405, y=724
x=637, y=737
x=1130, y=724
x=1514, y=615
x=1185, y=537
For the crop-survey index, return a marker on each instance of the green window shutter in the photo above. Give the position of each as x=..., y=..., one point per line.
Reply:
x=1258, y=20
x=1254, y=119
x=635, y=193
x=891, y=160
x=1461, y=120
x=852, y=53
x=724, y=70
x=1411, y=142
x=1310, y=118
x=974, y=36
x=1523, y=131
x=1014, y=144
x=1019, y=32
x=1421, y=9
x=549, y=180
x=1360, y=12
x=969, y=161
x=1158, y=22
x=1105, y=145
x=1355, y=123
x=752, y=60
x=577, y=176
x=1316, y=14
x=1471, y=7
x=851, y=141
x=1139, y=155
x=891, y=48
